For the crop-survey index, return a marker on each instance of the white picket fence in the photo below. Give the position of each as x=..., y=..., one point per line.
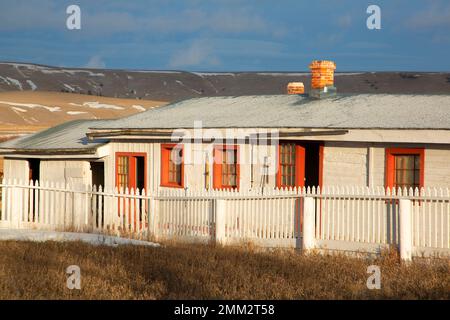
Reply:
x=335, y=218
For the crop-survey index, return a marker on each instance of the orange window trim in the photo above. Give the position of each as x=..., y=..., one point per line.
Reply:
x=166, y=149
x=299, y=165
x=217, y=166
x=132, y=168
x=390, y=163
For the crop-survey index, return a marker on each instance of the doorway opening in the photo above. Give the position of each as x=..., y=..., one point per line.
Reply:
x=312, y=164
x=140, y=172
x=34, y=169
x=98, y=174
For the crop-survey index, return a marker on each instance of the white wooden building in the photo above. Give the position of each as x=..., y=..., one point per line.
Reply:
x=249, y=142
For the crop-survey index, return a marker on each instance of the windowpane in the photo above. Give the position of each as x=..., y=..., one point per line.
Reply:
x=287, y=164
x=174, y=174
x=229, y=168
x=122, y=171
x=407, y=171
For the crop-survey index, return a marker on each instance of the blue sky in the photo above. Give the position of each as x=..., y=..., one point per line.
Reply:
x=228, y=35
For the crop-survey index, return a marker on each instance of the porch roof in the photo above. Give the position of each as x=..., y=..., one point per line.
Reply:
x=65, y=138
x=345, y=111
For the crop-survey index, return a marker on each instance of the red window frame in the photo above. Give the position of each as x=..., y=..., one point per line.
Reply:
x=166, y=150
x=217, y=167
x=299, y=165
x=132, y=168
x=390, y=163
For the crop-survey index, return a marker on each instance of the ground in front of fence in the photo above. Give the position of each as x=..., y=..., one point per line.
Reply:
x=38, y=270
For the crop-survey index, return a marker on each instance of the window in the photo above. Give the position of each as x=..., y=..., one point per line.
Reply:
x=291, y=165
x=404, y=168
x=226, y=167
x=172, y=166
x=288, y=164
x=131, y=170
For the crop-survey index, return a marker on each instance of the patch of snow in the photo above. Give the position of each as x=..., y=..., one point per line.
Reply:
x=31, y=106
x=19, y=109
x=93, y=239
x=75, y=104
x=155, y=71
x=140, y=108
x=69, y=87
x=49, y=70
x=72, y=72
x=97, y=105
x=129, y=77
x=11, y=81
x=347, y=73
x=32, y=85
x=15, y=82
x=74, y=113
x=203, y=74
x=295, y=74
x=183, y=85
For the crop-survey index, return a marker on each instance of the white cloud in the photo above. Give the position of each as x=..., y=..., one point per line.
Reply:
x=95, y=62
x=198, y=54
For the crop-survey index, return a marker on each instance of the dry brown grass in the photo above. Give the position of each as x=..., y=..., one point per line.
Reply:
x=37, y=271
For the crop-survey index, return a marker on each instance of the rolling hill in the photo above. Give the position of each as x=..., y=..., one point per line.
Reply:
x=176, y=85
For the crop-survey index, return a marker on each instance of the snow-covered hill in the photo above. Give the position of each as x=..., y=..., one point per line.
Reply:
x=175, y=85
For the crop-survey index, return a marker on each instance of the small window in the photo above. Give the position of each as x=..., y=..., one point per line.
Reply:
x=291, y=165
x=287, y=164
x=123, y=171
x=226, y=167
x=407, y=171
x=172, y=166
x=404, y=168
x=130, y=170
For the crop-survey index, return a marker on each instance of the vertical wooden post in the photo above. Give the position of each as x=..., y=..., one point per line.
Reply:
x=308, y=223
x=405, y=229
x=153, y=218
x=220, y=221
x=16, y=205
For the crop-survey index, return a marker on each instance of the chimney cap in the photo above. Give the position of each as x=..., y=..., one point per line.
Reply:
x=325, y=64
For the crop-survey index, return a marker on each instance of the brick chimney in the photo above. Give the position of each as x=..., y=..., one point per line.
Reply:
x=322, y=79
x=295, y=88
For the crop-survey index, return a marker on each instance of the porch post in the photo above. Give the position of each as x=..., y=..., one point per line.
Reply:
x=308, y=223
x=405, y=229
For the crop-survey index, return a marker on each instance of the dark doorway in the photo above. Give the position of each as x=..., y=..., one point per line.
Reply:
x=312, y=164
x=140, y=173
x=98, y=174
x=34, y=169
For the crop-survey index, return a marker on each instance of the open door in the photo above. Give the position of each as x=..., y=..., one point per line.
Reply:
x=131, y=173
x=300, y=165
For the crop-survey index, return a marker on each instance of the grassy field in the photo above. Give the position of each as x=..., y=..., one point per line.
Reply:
x=37, y=271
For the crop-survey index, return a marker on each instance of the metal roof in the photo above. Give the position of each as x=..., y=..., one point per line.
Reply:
x=355, y=111
x=69, y=136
